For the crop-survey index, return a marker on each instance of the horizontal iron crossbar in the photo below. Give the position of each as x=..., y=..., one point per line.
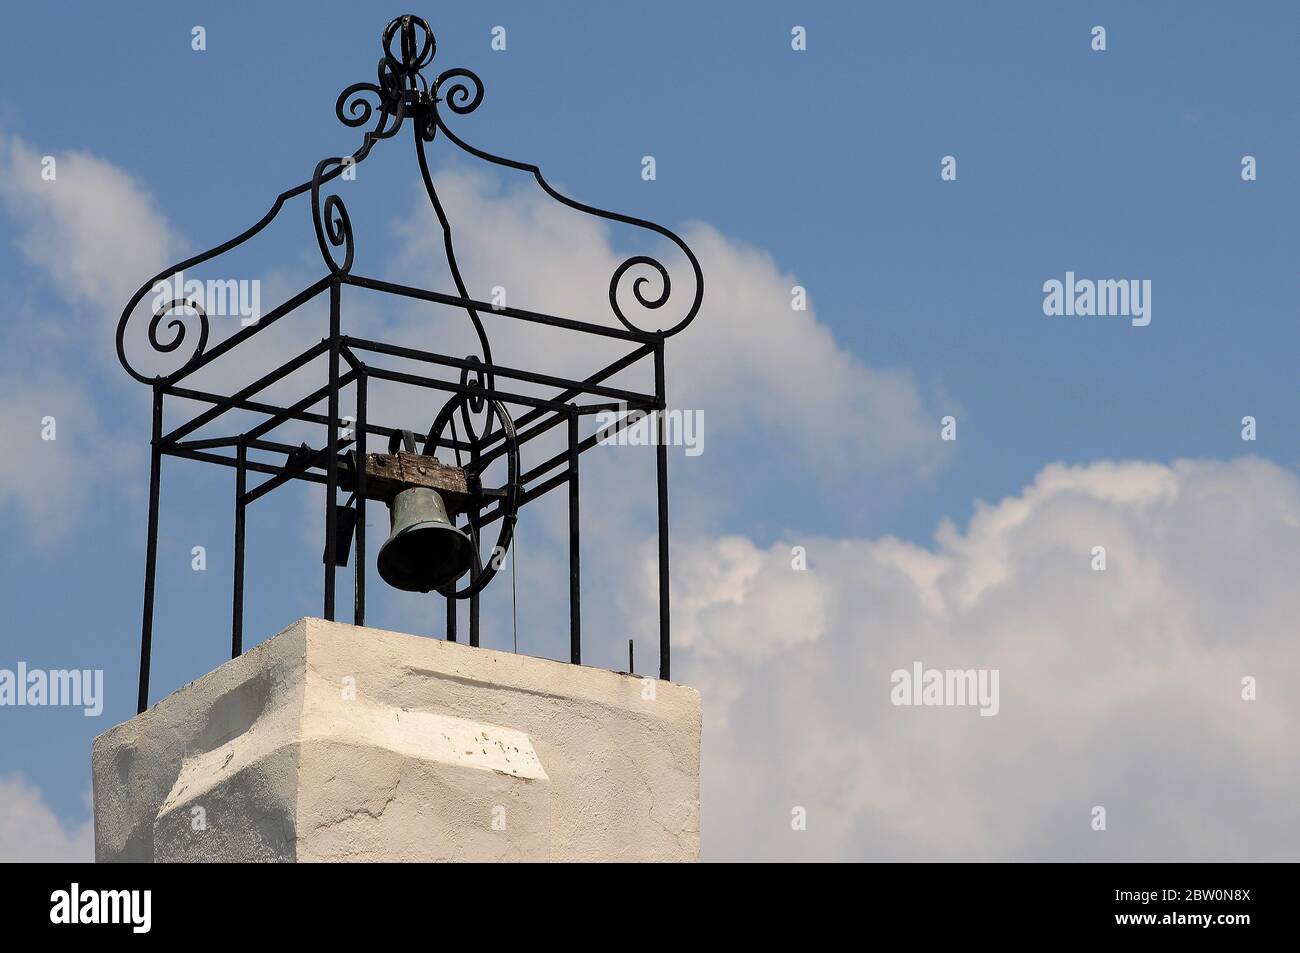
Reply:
x=484, y=307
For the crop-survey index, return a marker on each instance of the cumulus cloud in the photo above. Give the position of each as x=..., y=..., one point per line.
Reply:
x=49, y=481
x=770, y=380
x=93, y=230
x=93, y=233
x=31, y=833
x=1118, y=688
x=755, y=366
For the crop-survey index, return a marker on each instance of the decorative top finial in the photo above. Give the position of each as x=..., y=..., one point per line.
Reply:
x=418, y=45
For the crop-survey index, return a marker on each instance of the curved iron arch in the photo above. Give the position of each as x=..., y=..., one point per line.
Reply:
x=401, y=90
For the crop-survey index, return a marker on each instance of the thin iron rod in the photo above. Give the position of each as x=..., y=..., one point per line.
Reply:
x=282, y=371
x=332, y=454
x=314, y=397
x=353, y=361
x=240, y=336
x=623, y=423
x=252, y=465
x=575, y=568
x=546, y=380
x=661, y=476
x=209, y=443
x=359, y=599
x=622, y=364
x=528, y=496
x=282, y=477
x=237, y=613
x=484, y=307
x=472, y=517
x=268, y=409
x=514, y=593
x=554, y=420
x=473, y=601
x=151, y=549
x=272, y=446
x=400, y=377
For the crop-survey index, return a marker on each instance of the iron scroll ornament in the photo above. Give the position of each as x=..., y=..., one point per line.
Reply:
x=510, y=493
x=401, y=91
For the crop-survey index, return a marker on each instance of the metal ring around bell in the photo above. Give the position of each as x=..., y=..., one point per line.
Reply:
x=509, y=504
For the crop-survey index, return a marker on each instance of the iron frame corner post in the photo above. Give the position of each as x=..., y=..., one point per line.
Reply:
x=359, y=577
x=472, y=518
x=661, y=480
x=151, y=546
x=332, y=455
x=241, y=490
x=575, y=558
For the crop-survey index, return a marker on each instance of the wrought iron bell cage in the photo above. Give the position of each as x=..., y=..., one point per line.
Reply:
x=477, y=387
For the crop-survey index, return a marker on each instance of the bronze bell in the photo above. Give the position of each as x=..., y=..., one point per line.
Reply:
x=424, y=551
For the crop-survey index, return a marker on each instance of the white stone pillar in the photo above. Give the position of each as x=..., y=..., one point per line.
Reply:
x=332, y=742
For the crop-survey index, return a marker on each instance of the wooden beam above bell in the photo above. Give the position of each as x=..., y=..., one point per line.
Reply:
x=389, y=473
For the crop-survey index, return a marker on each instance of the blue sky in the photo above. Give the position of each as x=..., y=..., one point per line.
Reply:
x=1115, y=164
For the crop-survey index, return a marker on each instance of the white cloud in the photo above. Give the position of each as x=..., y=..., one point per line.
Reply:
x=754, y=365
x=756, y=368
x=769, y=379
x=1118, y=688
x=31, y=833
x=95, y=234
x=94, y=231
x=50, y=481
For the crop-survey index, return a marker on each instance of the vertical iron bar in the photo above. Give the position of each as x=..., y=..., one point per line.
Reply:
x=473, y=600
x=474, y=570
x=332, y=445
x=451, y=619
x=661, y=474
x=359, y=604
x=575, y=568
x=237, y=612
x=151, y=548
